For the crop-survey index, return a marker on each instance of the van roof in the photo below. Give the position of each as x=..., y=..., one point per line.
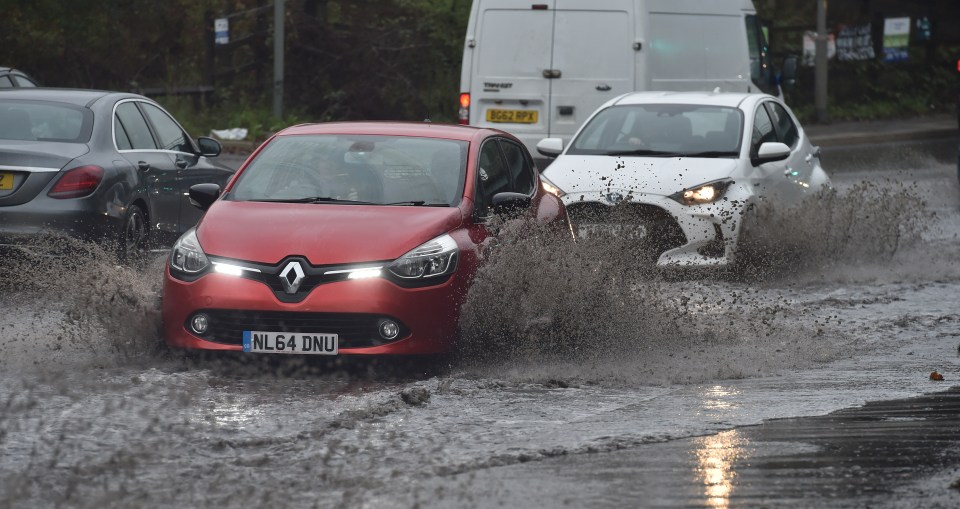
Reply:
x=731, y=99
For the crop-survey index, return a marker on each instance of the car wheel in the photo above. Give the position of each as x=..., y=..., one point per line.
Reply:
x=133, y=234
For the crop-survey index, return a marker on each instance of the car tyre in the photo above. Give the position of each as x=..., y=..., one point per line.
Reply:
x=133, y=234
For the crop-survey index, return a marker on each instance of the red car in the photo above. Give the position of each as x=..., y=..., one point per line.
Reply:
x=347, y=238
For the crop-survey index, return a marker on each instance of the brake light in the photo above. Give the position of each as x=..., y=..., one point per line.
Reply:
x=464, y=115
x=77, y=182
x=958, y=65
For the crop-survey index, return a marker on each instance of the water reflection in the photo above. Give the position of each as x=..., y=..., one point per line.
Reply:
x=719, y=397
x=716, y=456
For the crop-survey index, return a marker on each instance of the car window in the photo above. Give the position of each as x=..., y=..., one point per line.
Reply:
x=5, y=82
x=521, y=172
x=364, y=168
x=170, y=134
x=675, y=129
x=788, y=131
x=44, y=121
x=492, y=176
x=135, y=127
x=23, y=81
x=762, y=130
x=123, y=141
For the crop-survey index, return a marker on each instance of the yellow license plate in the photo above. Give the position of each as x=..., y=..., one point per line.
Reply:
x=512, y=116
x=6, y=181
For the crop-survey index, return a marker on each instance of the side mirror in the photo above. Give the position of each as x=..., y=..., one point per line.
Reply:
x=788, y=76
x=510, y=204
x=769, y=152
x=550, y=147
x=203, y=195
x=209, y=147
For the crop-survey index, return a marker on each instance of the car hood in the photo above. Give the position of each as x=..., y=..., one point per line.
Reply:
x=326, y=234
x=39, y=154
x=648, y=175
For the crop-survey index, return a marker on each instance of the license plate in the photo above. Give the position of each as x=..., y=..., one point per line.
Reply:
x=6, y=181
x=290, y=342
x=632, y=231
x=512, y=116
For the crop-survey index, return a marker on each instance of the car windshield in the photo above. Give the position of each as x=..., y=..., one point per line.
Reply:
x=44, y=121
x=668, y=130
x=344, y=169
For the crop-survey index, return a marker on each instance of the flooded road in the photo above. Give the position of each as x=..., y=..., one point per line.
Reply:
x=640, y=399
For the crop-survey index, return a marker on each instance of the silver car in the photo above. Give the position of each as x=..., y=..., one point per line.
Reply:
x=103, y=166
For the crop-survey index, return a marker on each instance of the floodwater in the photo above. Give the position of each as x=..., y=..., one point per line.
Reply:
x=569, y=353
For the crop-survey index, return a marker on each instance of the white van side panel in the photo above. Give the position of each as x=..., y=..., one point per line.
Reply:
x=698, y=52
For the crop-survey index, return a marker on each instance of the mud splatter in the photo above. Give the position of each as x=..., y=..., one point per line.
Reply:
x=72, y=300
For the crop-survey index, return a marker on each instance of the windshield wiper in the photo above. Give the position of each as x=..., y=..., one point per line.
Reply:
x=644, y=152
x=418, y=203
x=313, y=199
x=712, y=153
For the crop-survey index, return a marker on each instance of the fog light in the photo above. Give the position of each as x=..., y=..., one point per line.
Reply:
x=389, y=329
x=199, y=323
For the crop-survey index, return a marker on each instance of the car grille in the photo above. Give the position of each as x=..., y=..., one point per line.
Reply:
x=355, y=330
x=662, y=230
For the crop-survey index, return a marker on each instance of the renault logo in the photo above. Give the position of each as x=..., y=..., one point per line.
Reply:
x=291, y=276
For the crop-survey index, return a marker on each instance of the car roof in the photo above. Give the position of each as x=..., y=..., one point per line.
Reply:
x=79, y=97
x=420, y=129
x=730, y=99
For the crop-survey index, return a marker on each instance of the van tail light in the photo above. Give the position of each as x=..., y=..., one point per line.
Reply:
x=958, y=65
x=77, y=182
x=464, y=115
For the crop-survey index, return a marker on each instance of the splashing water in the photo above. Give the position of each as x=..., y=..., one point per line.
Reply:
x=71, y=300
x=547, y=307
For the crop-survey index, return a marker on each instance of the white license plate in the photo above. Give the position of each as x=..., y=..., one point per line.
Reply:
x=290, y=342
x=618, y=230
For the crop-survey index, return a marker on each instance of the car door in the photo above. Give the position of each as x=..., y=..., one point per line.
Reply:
x=191, y=168
x=492, y=177
x=769, y=180
x=155, y=168
x=797, y=168
x=593, y=60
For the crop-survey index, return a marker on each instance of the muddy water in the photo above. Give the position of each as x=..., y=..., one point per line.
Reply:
x=566, y=352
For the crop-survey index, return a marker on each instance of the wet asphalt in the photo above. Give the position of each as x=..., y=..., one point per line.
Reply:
x=896, y=453
x=884, y=454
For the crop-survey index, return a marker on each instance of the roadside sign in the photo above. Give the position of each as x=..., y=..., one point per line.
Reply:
x=221, y=31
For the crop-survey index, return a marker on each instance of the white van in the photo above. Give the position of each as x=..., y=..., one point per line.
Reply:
x=539, y=68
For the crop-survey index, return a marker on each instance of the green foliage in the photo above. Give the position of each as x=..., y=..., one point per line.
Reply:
x=362, y=59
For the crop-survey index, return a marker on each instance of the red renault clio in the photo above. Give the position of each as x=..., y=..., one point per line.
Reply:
x=347, y=238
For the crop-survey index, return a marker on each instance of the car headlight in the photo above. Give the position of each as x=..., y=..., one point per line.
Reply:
x=550, y=187
x=187, y=256
x=434, y=258
x=704, y=193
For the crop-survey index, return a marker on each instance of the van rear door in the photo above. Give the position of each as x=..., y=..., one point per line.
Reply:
x=507, y=87
x=594, y=60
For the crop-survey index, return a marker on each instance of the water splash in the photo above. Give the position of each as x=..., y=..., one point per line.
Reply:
x=70, y=300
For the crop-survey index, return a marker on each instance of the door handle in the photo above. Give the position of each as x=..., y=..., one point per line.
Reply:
x=181, y=163
x=551, y=74
x=143, y=165
x=603, y=87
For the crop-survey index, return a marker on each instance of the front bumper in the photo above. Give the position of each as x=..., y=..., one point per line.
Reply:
x=428, y=316
x=710, y=232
